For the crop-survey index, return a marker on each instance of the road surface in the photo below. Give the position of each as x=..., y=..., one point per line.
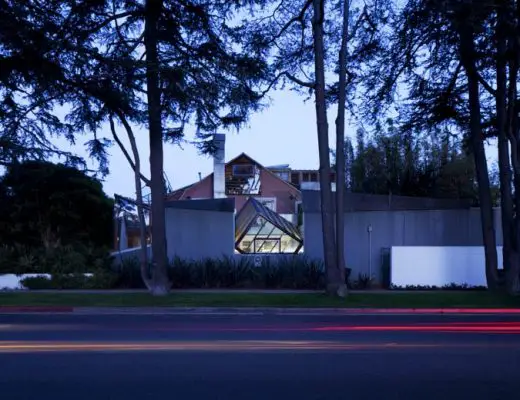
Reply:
x=259, y=357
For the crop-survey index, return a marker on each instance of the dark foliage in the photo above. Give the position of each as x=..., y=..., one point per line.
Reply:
x=99, y=280
x=88, y=57
x=390, y=161
x=289, y=273
x=451, y=286
x=20, y=259
x=50, y=205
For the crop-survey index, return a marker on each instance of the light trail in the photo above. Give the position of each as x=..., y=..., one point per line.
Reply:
x=215, y=346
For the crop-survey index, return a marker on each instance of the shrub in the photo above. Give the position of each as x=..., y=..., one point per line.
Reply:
x=99, y=280
x=37, y=283
x=292, y=272
x=60, y=260
x=128, y=274
x=364, y=281
x=7, y=260
x=450, y=286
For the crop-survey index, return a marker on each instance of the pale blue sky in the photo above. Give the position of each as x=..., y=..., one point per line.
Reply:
x=284, y=133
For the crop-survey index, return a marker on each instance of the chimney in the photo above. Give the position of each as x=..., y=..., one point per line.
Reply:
x=219, y=167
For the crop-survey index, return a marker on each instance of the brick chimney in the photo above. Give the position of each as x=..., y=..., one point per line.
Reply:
x=219, y=167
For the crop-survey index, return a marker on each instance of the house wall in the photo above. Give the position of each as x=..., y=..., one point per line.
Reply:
x=397, y=228
x=286, y=195
x=270, y=186
x=196, y=234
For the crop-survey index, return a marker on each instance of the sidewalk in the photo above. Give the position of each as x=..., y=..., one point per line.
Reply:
x=254, y=311
x=237, y=291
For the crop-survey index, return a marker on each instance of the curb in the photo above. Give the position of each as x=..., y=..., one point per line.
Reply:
x=254, y=311
x=35, y=309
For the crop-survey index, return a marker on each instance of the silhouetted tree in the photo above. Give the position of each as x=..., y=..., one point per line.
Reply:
x=161, y=64
x=50, y=205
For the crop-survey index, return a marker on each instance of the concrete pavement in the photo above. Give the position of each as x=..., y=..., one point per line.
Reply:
x=85, y=356
x=239, y=291
x=158, y=310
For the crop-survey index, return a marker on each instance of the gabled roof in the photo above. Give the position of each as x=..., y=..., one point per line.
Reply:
x=181, y=190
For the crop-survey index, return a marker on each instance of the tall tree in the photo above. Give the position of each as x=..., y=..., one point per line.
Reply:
x=153, y=11
x=334, y=283
x=438, y=55
x=465, y=18
x=187, y=65
x=301, y=37
x=340, y=142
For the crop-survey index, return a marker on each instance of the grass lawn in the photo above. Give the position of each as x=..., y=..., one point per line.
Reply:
x=390, y=300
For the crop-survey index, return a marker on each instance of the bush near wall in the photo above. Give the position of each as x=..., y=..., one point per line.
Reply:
x=60, y=260
x=67, y=266
x=98, y=280
x=229, y=273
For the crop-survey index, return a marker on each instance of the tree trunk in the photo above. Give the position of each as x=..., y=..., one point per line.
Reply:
x=340, y=148
x=506, y=199
x=136, y=166
x=513, y=267
x=334, y=284
x=160, y=284
x=467, y=53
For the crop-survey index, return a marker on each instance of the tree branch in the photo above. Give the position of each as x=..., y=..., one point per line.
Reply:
x=486, y=85
x=291, y=77
x=123, y=149
x=297, y=18
x=107, y=21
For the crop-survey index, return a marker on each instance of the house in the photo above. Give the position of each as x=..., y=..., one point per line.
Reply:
x=277, y=187
x=267, y=215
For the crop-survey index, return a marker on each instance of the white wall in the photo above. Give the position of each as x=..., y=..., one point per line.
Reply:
x=438, y=266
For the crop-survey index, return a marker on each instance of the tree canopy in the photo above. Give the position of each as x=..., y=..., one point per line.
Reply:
x=49, y=205
x=160, y=64
x=389, y=161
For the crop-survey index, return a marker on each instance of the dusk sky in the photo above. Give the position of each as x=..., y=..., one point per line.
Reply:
x=284, y=133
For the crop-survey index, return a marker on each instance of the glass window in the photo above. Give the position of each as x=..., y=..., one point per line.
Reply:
x=267, y=245
x=246, y=244
x=245, y=170
x=258, y=229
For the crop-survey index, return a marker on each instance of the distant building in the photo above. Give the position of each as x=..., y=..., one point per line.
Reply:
x=277, y=187
x=268, y=211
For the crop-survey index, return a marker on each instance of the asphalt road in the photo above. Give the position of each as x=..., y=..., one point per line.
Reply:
x=259, y=357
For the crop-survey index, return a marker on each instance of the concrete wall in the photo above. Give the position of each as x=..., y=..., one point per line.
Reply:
x=396, y=228
x=195, y=232
x=439, y=266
